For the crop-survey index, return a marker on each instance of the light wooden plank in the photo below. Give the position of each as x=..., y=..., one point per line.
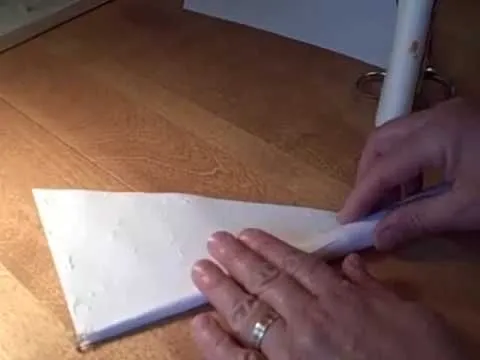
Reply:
x=128, y=138
x=140, y=95
x=32, y=157
x=28, y=330
x=252, y=81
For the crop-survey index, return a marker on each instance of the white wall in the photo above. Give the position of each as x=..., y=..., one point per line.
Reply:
x=362, y=29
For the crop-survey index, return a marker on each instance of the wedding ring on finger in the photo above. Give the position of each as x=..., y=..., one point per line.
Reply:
x=261, y=327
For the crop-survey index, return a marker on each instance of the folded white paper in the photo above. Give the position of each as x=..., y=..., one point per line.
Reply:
x=124, y=259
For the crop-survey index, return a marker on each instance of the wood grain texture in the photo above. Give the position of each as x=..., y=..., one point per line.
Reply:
x=139, y=95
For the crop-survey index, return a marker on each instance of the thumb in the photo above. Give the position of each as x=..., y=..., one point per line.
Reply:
x=416, y=219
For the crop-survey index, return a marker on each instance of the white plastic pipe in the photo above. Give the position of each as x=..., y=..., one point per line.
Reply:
x=406, y=62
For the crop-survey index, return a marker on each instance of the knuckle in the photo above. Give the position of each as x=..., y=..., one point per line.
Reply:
x=314, y=271
x=241, y=312
x=311, y=266
x=264, y=277
x=293, y=262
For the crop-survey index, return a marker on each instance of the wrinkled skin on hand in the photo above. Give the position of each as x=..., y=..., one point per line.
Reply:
x=324, y=314
x=446, y=137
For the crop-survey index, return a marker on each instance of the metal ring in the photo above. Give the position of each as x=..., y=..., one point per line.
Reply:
x=369, y=78
x=261, y=327
x=429, y=75
x=432, y=75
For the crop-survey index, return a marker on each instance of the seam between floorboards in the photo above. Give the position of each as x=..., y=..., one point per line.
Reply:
x=69, y=146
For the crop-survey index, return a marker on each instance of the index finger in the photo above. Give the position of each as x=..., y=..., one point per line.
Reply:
x=258, y=275
x=401, y=164
x=308, y=269
x=386, y=137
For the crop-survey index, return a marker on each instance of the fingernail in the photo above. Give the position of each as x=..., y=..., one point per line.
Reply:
x=248, y=235
x=200, y=275
x=219, y=243
x=216, y=243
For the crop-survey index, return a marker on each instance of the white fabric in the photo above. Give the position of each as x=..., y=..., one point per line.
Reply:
x=124, y=259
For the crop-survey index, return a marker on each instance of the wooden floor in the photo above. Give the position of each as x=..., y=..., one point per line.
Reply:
x=139, y=95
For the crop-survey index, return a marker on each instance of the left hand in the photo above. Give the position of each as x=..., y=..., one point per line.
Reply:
x=321, y=314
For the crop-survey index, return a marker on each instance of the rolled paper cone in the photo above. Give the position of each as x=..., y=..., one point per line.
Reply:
x=350, y=237
x=360, y=235
x=399, y=88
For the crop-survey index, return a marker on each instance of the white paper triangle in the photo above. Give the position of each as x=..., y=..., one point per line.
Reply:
x=124, y=259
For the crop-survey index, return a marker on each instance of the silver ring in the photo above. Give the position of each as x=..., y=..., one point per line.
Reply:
x=261, y=327
x=365, y=81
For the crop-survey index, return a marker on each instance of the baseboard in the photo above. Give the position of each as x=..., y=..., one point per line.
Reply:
x=31, y=25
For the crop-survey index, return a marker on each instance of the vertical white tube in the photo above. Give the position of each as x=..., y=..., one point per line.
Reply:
x=406, y=62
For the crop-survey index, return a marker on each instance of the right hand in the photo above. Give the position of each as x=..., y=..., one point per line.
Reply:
x=446, y=137
x=318, y=313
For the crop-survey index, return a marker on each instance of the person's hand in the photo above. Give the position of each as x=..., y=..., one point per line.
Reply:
x=445, y=137
x=322, y=314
